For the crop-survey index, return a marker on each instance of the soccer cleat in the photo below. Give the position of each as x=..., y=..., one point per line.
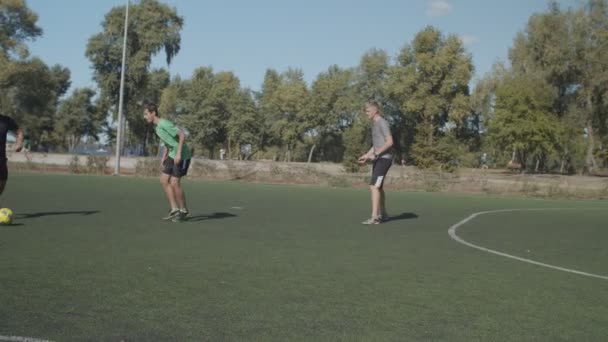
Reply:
x=184, y=212
x=171, y=214
x=181, y=216
x=373, y=220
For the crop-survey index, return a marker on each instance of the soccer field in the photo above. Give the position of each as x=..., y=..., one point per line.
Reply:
x=89, y=259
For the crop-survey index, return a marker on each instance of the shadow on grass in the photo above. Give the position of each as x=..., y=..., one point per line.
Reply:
x=213, y=216
x=11, y=225
x=403, y=216
x=54, y=213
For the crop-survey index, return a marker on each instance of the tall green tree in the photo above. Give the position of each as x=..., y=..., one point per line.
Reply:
x=29, y=89
x=17, y=25
x=153, y=28
x=371, y=75
x=334, y=107
x=289, y=124
x=268, y=107
x=591, y=45
x=196, y=110
x=244, y=126
x=566, y=49
x=77, y=118
x=523, y=122
x=30, y=94
x=430, y=86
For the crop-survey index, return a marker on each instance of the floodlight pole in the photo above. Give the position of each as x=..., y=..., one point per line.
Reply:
x=119, y=130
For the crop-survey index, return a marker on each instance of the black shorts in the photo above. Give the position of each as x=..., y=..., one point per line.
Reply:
x=3, y=170
x=379, y=171
x=173, y=170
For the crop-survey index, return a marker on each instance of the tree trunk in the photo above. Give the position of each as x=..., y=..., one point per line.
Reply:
x=561, y=169
x=312, y=149
x=71, y=143
x=229, y=149
x=537, y=164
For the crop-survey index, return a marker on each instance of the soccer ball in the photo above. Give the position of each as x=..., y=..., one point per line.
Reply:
x=6, y=216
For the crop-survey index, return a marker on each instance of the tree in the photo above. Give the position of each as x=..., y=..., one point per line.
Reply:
x=566, y=49
x=333, y=109
x=196, y=110
x=283, y=104
x=268, y=107
x=430, y=86
x=371, y=75
x=153, y=27
x=292, y=98
x=158, y=80
x=357, y=140
x=30, y=94
x=522, y=122
x=17, y=24
x=591, y=45
x=244, y=125
x=29, y=89
x=78, y=117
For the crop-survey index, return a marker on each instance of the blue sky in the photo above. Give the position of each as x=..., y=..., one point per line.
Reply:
x=249, y=36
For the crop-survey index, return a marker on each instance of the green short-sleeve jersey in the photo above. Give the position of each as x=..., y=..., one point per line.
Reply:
x=167, y=132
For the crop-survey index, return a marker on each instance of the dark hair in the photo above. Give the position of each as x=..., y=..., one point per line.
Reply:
x=151, y=107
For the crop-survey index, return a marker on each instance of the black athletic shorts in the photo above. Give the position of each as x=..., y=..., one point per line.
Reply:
x=379, y=171
x=173, y=170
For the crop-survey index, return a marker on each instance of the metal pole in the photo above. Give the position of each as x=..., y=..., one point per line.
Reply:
x=119, y=130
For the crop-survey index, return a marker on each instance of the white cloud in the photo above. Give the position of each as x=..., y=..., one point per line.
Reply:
x=468, y=39
x=438, y=8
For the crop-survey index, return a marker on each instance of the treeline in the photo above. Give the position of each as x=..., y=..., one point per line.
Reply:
x=545, y=109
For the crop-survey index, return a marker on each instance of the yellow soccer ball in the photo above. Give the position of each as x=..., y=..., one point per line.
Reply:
x=6, y=216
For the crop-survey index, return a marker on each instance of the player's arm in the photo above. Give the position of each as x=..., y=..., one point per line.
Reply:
x=181, y=138
x=367, y=156
x=388, y=143
x=19, y=142
x=165, y=153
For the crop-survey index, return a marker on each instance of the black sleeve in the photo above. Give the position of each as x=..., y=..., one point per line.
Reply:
x=11, y=124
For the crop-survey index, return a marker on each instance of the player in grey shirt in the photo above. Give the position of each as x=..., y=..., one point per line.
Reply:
x=380, y=155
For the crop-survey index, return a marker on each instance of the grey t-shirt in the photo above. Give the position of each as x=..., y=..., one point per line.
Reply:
x=380, y=131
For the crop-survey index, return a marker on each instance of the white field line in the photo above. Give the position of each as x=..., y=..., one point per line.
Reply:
x=453, y=235
x=20, y=339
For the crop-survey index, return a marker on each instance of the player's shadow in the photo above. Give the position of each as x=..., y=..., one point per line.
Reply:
x=213, y=216
x=22, y=216
x=403, y=216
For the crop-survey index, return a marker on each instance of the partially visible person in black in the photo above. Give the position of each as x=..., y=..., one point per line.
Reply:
x=7, y=124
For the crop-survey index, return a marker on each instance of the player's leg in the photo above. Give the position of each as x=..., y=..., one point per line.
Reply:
x=165, y=181
x=383, y=212
x=384, y=165
x=375, y=201
x=375, y=194
x=379, y=172
x=3, y=175
x=178, y=172
x=180, y=195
